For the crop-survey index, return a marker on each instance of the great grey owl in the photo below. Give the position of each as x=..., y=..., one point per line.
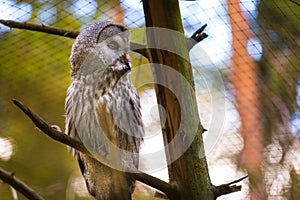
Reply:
x=103, y=109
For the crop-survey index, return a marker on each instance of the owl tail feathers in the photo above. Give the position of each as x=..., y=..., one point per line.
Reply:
x=104, y=183
x=119, y=191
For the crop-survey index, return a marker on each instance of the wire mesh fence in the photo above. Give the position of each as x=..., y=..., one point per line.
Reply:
x=251, y=53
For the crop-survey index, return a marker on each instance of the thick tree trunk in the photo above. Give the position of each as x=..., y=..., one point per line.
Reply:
x=245, y=81
x=168, y=48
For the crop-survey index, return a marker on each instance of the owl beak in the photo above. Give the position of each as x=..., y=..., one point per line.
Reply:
x=125, y=60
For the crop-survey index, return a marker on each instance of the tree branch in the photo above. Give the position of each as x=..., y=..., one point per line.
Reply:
x=139, y=48
x=227, y=188
x=40, y=28
x=142, y=49
x=61, y=137
x=197, y=36
x=171, y=192
x=20, y=186
x=51, y=132
x=295, y=2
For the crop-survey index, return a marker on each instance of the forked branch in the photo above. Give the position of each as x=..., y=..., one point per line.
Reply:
x=51, y=132
x=295, y=2
x=76, y=144
x=142, y=49
x=197, y=36
x=228, y=188
x=170, y=191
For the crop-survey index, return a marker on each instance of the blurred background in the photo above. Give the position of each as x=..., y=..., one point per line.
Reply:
x=246, y=78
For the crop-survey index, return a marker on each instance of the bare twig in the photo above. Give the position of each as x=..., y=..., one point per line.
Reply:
x=139, y=48
x=197, y=36
x=20, y=186
x=51, y=132
x=76, y=144
x=295, y=2
x=228, y=188
x=40, y=28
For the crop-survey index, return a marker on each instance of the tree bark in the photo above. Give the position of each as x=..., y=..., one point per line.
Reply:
x=189, y=172
x=245, y=81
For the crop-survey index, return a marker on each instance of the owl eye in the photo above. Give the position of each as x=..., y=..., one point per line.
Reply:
x=113, y=45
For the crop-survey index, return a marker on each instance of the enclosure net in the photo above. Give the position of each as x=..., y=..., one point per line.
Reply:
x=246, y=80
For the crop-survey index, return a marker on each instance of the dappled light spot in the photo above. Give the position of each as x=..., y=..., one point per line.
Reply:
x=274, y=153
x=6, y=149
x=254, y=48
x=83, y=8
x=134, y=13
x=10, y=10
x=295, y=124
x=250, y=7
x=218, y=44
x=47, y=14
x=150, y=113
x=76, y=187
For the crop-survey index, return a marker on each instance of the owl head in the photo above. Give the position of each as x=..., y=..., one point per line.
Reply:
x=105, y=44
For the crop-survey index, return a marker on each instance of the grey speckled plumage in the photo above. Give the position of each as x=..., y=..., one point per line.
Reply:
x=103, y=108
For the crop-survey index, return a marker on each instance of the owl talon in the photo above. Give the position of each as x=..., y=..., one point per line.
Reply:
x=56, y=127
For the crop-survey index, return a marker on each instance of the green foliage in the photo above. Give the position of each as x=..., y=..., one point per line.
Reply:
x=280, y=16
x=279, y=28
x=35, y=68
x=280, y=64
x=295, y=185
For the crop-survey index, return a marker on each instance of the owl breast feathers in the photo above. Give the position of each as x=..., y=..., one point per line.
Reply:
x=103, y=109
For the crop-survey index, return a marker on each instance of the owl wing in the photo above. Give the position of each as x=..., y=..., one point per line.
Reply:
x=127, y=116
x=105, y=119
x=119, y=116
x=82, y=120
